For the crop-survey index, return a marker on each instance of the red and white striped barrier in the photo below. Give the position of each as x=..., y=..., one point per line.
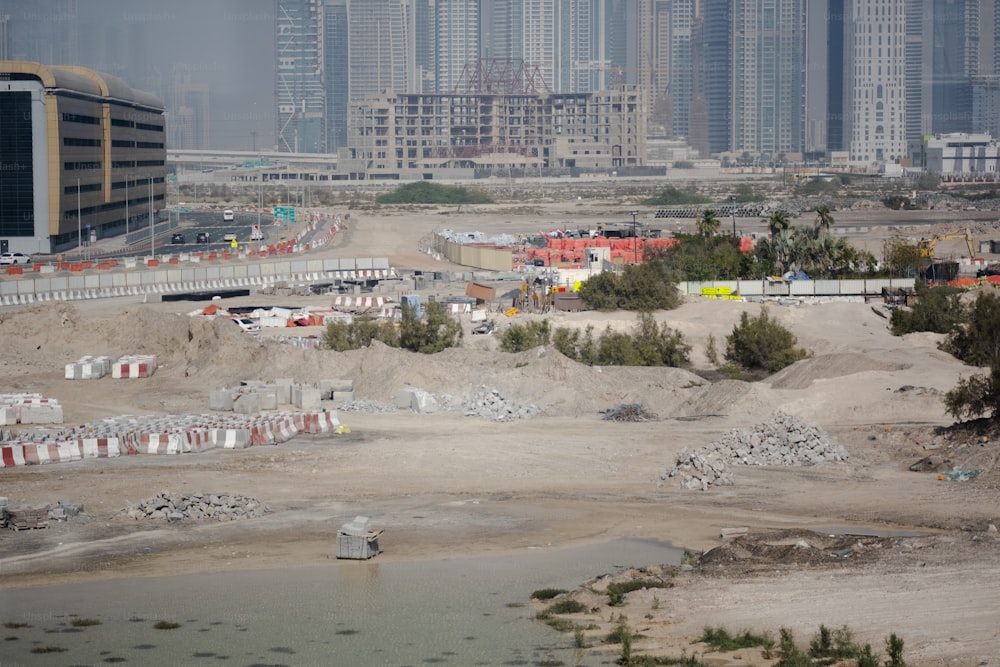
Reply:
x=160, y=443
x=134, y=366
x=341, y=301
x=99, y=448
x=459, y=308
x=231, y=438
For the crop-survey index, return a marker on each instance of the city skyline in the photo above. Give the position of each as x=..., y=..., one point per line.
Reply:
x=767, y=77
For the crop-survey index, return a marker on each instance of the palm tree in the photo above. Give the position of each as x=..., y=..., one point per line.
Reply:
x=708, y=224
x=824, y=219
x=777, y=222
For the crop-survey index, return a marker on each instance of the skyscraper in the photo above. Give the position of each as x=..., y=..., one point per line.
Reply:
x=336, y=72
x=768, y=80
x=381, y=53
x=456, y=27
x=876, y=104
x=716, y=75
x=299, y=91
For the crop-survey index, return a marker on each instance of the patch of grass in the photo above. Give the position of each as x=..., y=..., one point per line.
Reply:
x=547, y=593
x=11, y=638
x=14, y=625
x=166, y=625
x=48, y=649
x=556, y=623
x=621, y=634
x=720, y=639
x=348, y=631
x=84, y=622
x=618, y=590
x=551, y=663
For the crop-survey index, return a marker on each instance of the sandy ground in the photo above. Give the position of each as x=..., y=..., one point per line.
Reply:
x=447, y=485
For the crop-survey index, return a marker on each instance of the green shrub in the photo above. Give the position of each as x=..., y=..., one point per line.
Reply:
x=343, y=336
x=641, y=287
x=618, y=589
x=936, y=309
x=567, y=606
x=833, y=645
x=975, y=396
x=894, y=647
x=424, y=192
x=648, y=344
x=166, y=625
x=762, y=343
x=49, y=649
x=84, y=622
x=721, y=640
x=975, y=338
x=521, y=337
x=671, y=196
x=547, y=593
x=436, y=332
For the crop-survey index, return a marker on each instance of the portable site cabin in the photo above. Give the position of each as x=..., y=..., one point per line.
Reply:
x=356, y=541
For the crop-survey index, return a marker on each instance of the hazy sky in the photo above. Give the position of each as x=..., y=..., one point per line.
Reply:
x=151, y=44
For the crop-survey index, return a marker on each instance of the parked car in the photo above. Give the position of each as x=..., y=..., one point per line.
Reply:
x=203, y=237
x=177, y=238
x=248, y=325
x=14, y=258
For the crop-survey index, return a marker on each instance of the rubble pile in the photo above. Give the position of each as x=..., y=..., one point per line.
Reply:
x=628, y=412
x=782, y=440
x=490, y=404
x=179, y=506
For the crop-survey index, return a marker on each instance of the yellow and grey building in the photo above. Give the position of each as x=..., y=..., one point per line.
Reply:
x=72, y=143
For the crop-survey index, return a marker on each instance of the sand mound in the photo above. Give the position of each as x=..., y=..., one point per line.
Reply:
x=802, y=374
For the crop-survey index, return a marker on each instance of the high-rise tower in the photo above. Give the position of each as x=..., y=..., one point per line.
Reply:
x=299, y=91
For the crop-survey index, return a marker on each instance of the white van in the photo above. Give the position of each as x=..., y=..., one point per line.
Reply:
x=228, y=216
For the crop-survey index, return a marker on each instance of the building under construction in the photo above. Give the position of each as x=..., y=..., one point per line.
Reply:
x=499, y=121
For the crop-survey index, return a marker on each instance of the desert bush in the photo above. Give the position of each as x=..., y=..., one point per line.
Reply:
x=435, y=332
x=166, y=625
x=567, y=606
x=935, y=309
x=649, y=344
x=343, y=336
x=547, y=593
x=521, y=337
x=894, y=647
x=720, y=639
x=975, y=338
x=762, y=343
x=642, y=287
x=671, y=196
x=84, y=622
x=424, y=192
x=618, y=589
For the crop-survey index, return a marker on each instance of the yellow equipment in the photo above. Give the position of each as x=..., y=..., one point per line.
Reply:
x=926, y=246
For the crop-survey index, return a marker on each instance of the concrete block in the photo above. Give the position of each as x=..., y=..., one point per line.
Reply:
x=268, y=397
x=247, y=404
x=423, y=402
x=7, y=415
x=285, y=389
x=42, y=413
x=404, y=398
x=220, y=399
x=305, y=398
x=328, y=387
x=343, y=396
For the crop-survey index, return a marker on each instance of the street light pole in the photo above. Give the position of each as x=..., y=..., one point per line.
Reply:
x=732, y=199
x=152, y=223
x=634, y=239
x=126, y=208
x=79, y=226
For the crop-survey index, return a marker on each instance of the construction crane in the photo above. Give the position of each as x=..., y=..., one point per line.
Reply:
x=926, y=246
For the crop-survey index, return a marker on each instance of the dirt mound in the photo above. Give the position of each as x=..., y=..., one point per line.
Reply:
x=802, y=374
x=727, y=397
x=793, y=548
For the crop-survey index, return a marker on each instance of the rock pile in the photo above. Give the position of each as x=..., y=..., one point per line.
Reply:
x=782, y=440
x=490, y=404
x=628, y=412
x=365, y=406
x=179, y=506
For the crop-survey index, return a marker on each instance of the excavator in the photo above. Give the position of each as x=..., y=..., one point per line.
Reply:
x=926, y=246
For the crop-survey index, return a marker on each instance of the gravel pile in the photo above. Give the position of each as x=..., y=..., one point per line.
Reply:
x=365, y=406
x=490, y=404
x=782, y=440
x=179, y=506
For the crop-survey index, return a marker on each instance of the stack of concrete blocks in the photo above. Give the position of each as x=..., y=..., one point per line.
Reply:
x=418, y=400
x=337, y=390
x=89, y=368
x=254, y=396
x=134, y=366
x=29, y=409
